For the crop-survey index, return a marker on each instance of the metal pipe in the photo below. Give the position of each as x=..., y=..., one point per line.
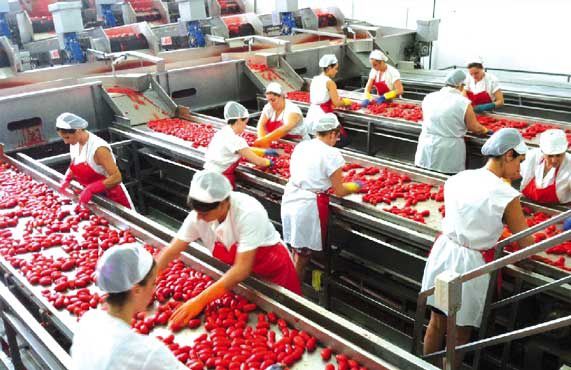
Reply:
x=319, y=33
x=531, y=292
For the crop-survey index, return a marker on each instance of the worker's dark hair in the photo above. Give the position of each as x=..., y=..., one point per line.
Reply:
x=119, y=299
x=476, y=65
x=329, y=66
x=66, y=130
x=201, y=206
x=324, y=133
x=232, y=121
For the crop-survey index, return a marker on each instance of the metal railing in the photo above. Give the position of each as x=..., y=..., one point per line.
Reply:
x=451, y=350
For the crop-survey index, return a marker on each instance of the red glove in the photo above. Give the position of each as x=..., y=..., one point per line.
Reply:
x=93, y=188
x=65, y=184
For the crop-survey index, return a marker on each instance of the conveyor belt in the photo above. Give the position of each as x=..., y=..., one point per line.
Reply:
x=329, y=329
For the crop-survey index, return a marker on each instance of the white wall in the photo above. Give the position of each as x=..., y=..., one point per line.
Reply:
x=515, y=34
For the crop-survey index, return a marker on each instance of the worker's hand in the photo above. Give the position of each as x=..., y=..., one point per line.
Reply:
x=567, y=224
x=368, y=96
x=354, y=186
x=489, y=132
x=346, y=101
x=365, y=103
x=390, y=95
x=261, y=143
x=484, y=107
x=194, y=306
x=271, y=153
x=380, y=100
x=66, y=181
x=270, y=163
x=93, y=188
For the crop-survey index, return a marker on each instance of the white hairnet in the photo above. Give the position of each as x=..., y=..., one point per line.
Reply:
x=502, y=141
x=122, y=267
x=274, y=88
x=327, y=122
x=70, y=121
x=235, y=110
x=455, y=78
x=327, y=60
x=378, y=55
x=553, y=142
x=209, y=187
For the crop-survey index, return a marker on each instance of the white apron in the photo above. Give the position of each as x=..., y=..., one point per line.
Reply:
x=318, y=94
x=475, y=201
x=441, y=145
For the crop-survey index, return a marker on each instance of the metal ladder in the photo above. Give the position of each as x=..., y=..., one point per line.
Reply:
x=492, y=268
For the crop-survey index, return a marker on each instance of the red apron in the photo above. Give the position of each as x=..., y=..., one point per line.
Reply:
x=86, y=175
x=381, y=87
x=323, y=212
x=545, y=195
x=230, y=175
x=271, y=263
x=274, y=125
x=328, y=107
x=479, y=98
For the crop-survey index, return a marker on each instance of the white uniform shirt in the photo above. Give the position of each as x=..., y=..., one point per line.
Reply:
x=390, y=76
x=87, y=153
x=312, y=164
x=290, y=108
x=441, y=144
x=104, y=342
x=489, y=84
x=247, y=224
x=534, y=167
x=222, y=152
x=318, y=92
x=475, y=202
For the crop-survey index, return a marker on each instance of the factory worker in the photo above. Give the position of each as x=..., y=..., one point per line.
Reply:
x=104, y=340
x=323, y=94
x=477, y=203
x=546, y=172
x=280, y=118
x=92, y=162
x=384, y=78
x=227, y=147
x=236, y=228
x=482, y=88
x=447, y=116
x=305, y=203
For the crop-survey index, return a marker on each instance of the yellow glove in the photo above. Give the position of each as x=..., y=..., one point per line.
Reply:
x=353, y=187
x=390, y=95
x=194, y=306
x=368, y=96
x=265, y=141
x=346, y=101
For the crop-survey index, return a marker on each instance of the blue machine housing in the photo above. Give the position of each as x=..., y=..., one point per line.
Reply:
x=73, y=49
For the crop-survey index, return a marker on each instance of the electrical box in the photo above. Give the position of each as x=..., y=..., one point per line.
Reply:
x=66, y=16
x=191, y=10
x=286, y=6
x=427, y=29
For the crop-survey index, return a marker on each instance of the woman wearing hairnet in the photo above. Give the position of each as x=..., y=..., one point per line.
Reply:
x=482, y=88
x=280, y=118
x=305, y=203
x=447, y=117
x=92, y=162
x=323, y=94
x=384, y=78
x=477, y=203
x=227, y=147
x=104, y=340
x=546, y=172
x=236, y=228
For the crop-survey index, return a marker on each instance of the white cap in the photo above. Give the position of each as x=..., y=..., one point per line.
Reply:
x=475, y=59
x=455, y=78
x=209, y=187
x=274, y=88
x=327, y=60
x=122, y=267
x=553, y=142
x=70, y=121
x=502, y=141
x=327, y=122
x=378, y=55
x=235, y=110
